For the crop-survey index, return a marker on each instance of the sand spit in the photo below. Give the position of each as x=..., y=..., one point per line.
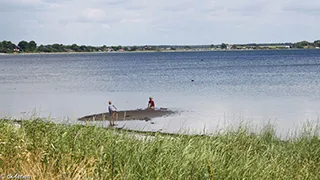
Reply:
x=139, y=114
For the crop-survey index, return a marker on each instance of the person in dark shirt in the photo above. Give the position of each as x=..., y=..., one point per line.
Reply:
x=151, y=104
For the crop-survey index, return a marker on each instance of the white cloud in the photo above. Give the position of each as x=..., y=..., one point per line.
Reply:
x=95, y=15
x=55, y=6
x=25, y=1
x=111, y=22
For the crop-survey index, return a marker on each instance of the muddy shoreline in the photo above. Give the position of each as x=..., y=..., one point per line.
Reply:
x=138, y=114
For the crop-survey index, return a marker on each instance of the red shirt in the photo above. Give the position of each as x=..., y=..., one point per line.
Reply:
x=151, y=103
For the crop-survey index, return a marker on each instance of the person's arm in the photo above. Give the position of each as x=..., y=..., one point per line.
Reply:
x=115, y=107
x=149, y=104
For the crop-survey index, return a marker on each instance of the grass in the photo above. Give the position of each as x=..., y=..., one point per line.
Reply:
x=44, y=150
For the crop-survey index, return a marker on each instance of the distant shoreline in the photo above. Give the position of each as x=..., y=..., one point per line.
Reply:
x=153, y=51
x=33, y=48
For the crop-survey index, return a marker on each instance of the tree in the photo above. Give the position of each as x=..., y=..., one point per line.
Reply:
x=301, y=44
x=116, y=48
x=32, y=46
x=317, y=43
x=1, y=48
x=7, y=47
x=23, y=45
x=75, y=47
x=223, y=46
x=41, y=48
x=83, y=48
x=133, y=48
x=57, y=48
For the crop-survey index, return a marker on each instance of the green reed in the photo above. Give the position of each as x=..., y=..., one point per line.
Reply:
x=44, y=150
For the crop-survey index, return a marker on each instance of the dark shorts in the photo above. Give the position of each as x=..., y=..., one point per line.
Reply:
x=111, y=112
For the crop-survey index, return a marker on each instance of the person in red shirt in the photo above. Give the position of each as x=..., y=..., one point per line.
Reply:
x=151, y=104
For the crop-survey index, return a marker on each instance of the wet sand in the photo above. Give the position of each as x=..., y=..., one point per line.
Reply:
x=139, y=114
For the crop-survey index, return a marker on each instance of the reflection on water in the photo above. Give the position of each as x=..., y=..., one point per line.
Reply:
x=281, y=87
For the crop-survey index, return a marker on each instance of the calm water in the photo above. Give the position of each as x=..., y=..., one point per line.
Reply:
x=256, y=87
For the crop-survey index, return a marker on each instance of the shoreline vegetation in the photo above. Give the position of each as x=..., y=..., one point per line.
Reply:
x=44, y=150
x=31, y=47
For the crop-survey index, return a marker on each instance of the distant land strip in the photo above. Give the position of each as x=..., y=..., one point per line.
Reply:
x=32, y=47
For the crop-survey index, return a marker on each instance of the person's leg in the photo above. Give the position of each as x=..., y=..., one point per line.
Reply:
x=110, y=118
x=113, y=117
x=116, y=116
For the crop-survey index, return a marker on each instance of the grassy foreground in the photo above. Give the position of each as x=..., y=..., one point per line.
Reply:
x=44, y=150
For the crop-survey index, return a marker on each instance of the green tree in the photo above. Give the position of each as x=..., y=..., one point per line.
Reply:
x=32, y=46
x=75, y=47
x=57, y=48
x=83, y=48
x=7, y=47
x=133, y=48
x=23, y=45
x=1, y=48
x=301, y=44
x=41, y=48
x=223, y=46
x=116, y=48
x=317, y=43
x=103, y=48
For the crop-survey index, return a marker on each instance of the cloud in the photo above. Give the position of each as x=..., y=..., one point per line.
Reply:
x=111, y=22
x=24, y=1
x=303, y=8
x=116, y=2
x=95, y=14
x=92, y=15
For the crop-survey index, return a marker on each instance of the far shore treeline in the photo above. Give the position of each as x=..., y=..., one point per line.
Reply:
x=33, y=47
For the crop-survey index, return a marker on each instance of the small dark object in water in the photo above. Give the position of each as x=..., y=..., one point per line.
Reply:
x=201, y=59
x=192, y=80
x=152, y=122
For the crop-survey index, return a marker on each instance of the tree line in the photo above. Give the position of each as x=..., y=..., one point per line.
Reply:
x=32, y=47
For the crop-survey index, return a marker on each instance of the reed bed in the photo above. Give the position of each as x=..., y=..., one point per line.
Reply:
x=44, y=150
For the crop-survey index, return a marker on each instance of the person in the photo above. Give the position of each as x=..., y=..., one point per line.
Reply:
x=151, y=104
x=113, y=112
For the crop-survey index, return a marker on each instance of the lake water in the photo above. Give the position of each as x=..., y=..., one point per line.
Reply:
x=229, y=87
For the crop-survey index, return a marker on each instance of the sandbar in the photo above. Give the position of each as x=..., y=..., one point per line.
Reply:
x=138, y=114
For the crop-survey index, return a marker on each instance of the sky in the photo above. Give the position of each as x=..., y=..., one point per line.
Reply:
x=159, y=22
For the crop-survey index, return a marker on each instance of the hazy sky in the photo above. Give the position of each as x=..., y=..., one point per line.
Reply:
x=141, y=22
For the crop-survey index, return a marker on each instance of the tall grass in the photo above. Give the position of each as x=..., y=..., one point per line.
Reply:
x=45, y=150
